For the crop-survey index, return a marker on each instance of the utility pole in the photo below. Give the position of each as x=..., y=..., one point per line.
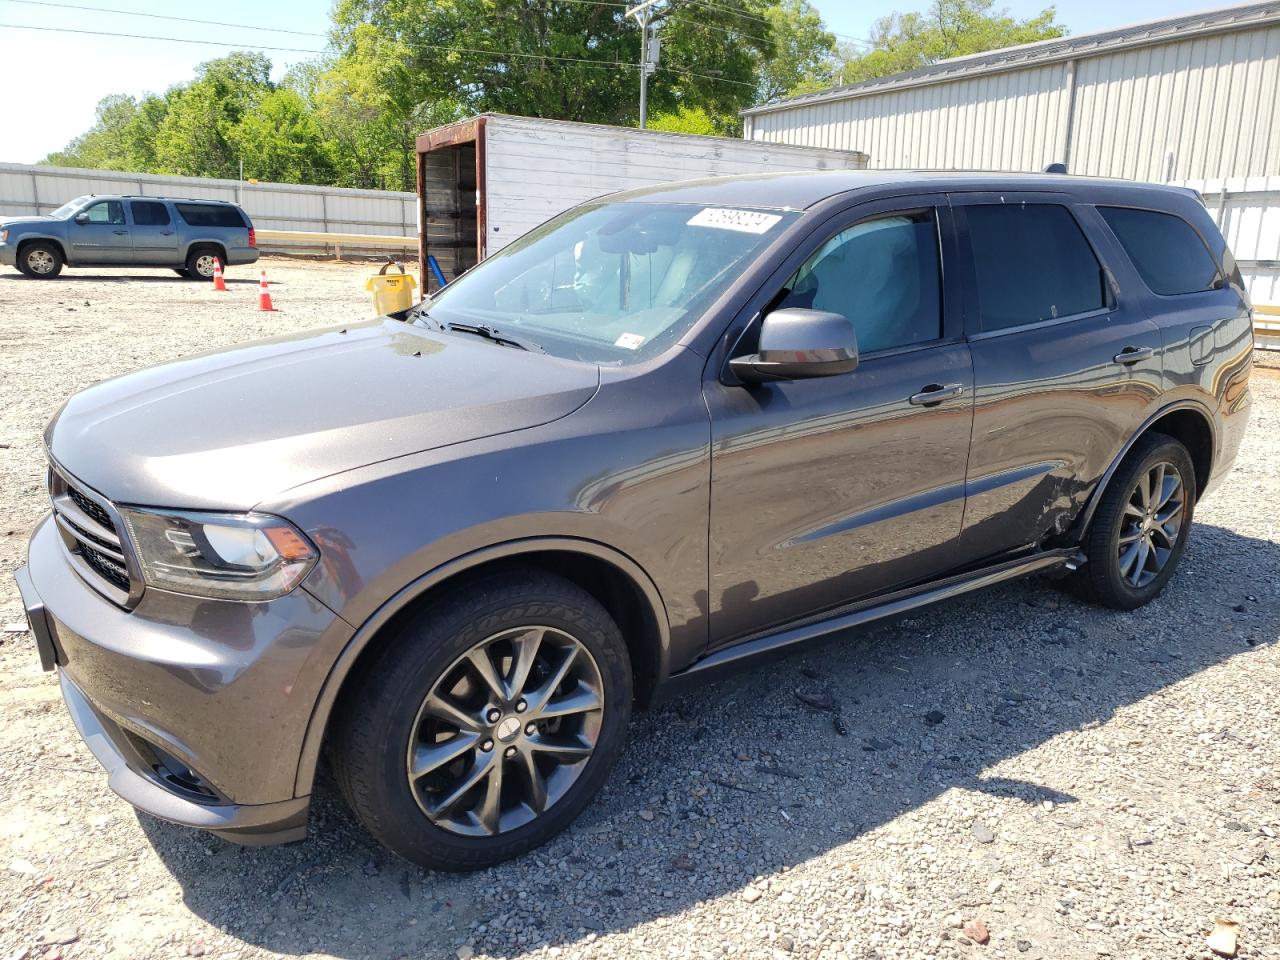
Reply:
x=649, y=50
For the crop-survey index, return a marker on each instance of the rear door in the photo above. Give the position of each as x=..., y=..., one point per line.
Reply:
x=1066, y=368
x=103, y=237
x=832, y=489
x=155, y=240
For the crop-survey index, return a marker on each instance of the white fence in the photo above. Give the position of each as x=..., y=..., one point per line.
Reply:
x=27, y=190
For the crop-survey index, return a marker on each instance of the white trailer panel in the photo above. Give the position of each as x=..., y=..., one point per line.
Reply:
x=484, y=182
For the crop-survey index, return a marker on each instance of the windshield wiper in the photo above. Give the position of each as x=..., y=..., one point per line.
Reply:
x=492, y=333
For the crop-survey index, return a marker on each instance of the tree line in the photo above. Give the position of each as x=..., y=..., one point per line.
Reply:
x=393, y=68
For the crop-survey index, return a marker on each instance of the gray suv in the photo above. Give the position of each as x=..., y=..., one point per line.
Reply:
x=121, y=231
x=658, y=436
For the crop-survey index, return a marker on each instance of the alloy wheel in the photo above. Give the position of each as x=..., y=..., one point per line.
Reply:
x=40, y=261
x=204, y=265
x=505, y=731
x=1152, y=519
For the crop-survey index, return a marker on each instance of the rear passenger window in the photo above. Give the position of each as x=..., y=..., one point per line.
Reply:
x=882, y=275
x=1170, y=256
x=210, y=214
x=1032, y=263
x=149, y=213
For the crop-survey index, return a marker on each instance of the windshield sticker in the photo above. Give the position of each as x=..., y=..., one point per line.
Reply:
x=629, y=341
x=743, y=221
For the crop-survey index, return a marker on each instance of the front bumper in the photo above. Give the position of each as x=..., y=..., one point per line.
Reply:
x=9, y=254
x=196, y=708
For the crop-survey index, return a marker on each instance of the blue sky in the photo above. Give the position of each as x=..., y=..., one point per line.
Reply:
x=87, y=67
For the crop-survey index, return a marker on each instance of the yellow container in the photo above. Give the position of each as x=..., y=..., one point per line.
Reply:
x=390, y=293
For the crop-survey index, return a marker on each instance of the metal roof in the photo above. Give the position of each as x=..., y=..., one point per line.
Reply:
x=1222, y=20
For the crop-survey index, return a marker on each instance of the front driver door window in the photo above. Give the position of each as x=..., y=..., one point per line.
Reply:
x=833, y=489
x=105, y=237
x=883, y=274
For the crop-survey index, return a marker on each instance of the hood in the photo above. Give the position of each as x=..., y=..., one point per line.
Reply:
x=230, y=428
x=15, y=221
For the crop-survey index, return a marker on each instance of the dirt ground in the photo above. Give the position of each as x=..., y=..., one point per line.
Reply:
x=1082, y=782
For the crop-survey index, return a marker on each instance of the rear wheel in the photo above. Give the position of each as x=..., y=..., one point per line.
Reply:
x=40, y=260
x=486, y=723
x=200, y=262
x=1140, y=530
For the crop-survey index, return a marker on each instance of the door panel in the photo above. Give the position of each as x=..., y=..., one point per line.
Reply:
x=105, y=238
x=1055, y=398
x=832, y=489
x=155, y=238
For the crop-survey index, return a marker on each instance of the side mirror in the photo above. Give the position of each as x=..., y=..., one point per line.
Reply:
x=82, y=218
x=796, y=343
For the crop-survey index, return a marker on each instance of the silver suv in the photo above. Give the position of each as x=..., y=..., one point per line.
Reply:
x=122, y=231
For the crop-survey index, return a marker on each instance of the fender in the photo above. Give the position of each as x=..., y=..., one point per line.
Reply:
x=365, y=633
x=1086, y=515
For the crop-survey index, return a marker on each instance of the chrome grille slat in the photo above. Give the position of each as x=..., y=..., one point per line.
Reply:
x=92, y=541
x=85, y=538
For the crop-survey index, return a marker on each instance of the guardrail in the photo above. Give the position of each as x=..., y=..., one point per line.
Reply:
x=1266, y=326
x=363, y=241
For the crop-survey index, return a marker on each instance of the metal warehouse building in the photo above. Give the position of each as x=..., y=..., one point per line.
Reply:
x=1186, y=98
x=1192, y=99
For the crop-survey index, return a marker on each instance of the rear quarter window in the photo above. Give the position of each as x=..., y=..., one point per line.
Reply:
x=210, y=215
x=1166, y=250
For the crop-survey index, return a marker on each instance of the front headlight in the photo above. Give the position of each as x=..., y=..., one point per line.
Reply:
x=221, y=555
x=4, y=235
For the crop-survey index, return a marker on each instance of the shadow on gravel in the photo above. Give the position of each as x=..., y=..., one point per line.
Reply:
x=927, y=703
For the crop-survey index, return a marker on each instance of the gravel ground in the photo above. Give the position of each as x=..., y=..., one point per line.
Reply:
x=1015, y=766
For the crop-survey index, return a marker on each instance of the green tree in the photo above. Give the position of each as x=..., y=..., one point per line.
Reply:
x=805, y=58
x=553, y=58
x=280, y=139
x=949, y=28
x=120, y=139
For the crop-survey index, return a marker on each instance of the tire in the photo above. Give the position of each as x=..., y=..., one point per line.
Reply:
x=40, y=260
x=182, y=272
x=1126, y=581
x=200, y=262
x=385, y=724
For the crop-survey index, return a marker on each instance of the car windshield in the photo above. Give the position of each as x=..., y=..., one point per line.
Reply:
x=609, y=283
x=68, y=208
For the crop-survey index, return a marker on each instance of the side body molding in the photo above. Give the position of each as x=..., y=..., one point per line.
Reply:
x=504, y=551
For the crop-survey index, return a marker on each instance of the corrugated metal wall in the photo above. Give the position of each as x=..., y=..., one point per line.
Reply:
x=1214, y=102
x=1003, y=121
x=26, y=190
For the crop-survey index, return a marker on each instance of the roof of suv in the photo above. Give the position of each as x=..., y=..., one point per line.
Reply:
x=138, y=196
x=798, y=190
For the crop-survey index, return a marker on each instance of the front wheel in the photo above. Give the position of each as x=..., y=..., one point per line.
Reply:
x=487, y=721
x=40, y=260
x=1140, y=530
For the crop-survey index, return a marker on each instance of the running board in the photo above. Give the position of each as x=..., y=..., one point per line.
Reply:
x=880, y=608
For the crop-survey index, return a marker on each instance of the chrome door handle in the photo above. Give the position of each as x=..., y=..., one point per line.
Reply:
x=1132, y=355
x=166, y=233
x=120, y=233
x=935, y=393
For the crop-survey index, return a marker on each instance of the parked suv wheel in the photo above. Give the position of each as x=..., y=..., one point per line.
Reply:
x=200, y=262
x=1140, y=530
x=486, y=723
x=40, y=260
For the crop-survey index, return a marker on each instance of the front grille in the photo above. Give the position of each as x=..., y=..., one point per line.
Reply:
x=92, y=539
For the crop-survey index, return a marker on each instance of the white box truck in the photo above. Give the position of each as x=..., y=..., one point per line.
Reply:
x=484, y=181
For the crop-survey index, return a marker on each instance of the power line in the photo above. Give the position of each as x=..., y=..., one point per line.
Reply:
x=725, y=9
x=163, y=16
x=139, y=36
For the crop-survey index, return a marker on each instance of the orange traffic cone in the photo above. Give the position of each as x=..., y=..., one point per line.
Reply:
x=218, y=283
x=264, y=298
